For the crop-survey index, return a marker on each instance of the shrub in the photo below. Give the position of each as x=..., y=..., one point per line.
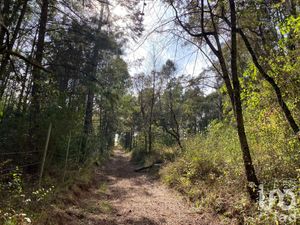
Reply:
x=210, y=171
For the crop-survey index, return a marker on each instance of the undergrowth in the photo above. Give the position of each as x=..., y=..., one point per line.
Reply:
x=210, y=172
x=22, y=202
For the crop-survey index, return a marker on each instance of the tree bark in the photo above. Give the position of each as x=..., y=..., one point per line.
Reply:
x=5, y=59
x=88, y=120
x=24, y=77
x=36, y=75
x=37, y=79
x=14, y=37
x=175, y=133
x=151, y=113
x=4, y=20
x=249, y=168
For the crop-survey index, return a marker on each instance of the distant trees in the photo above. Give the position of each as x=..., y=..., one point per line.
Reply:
x=168, y=107
x=170, y=118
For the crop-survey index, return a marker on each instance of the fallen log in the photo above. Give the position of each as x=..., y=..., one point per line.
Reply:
x=147, y=167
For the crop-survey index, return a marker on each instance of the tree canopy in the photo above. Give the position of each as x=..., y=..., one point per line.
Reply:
x=67, y=97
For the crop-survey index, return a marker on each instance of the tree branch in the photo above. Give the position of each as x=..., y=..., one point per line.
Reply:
x=16, y=54
x=202, y=34
x=268, y=78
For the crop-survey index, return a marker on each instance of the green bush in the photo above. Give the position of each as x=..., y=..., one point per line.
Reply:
x=210, y=171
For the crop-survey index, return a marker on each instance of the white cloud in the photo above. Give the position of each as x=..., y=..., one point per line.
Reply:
x=157, y=42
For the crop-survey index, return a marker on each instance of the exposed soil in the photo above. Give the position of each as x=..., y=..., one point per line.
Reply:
x=124, y=197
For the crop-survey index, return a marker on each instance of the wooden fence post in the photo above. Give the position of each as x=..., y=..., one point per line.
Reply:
x=44, y=155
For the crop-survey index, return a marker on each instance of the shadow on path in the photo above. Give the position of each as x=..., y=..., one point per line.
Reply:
x=121, y=196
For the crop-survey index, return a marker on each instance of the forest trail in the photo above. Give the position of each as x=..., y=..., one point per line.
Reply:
x=125, y=197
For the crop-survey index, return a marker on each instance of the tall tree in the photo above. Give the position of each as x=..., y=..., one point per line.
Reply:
x=170, y=118
x=37, y=78
x=209, y=29
x=249, y=168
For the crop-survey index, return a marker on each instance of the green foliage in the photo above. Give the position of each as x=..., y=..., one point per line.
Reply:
x=207, y=157
x=82, y=57
x=291, y=25
x=167, y=118
x=165, y=111
x=211, y=173
x=18, y=203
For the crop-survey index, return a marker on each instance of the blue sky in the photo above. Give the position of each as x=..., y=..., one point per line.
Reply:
x=157, y=44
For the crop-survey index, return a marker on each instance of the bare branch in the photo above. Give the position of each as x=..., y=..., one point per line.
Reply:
x=202, y=34
x=33, y=63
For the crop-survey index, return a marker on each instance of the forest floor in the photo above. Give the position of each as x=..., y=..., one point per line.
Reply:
x=120, y=196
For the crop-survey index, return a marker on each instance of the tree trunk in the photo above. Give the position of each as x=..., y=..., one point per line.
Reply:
x=88, y=120
x=249, y=168
x=232, y=83
x=3, y=33
x=91, y=71
x=5, y=59
x=36, y=75
x=175, y=132
x=24, y=77
x=146, y=141
x=4, y=19
x=37, y=79
x=151, y=113
x=272, y=82
x=131, y=138
x=150, y=138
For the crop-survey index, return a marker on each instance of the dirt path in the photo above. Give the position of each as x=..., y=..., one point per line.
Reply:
x=124, y=197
